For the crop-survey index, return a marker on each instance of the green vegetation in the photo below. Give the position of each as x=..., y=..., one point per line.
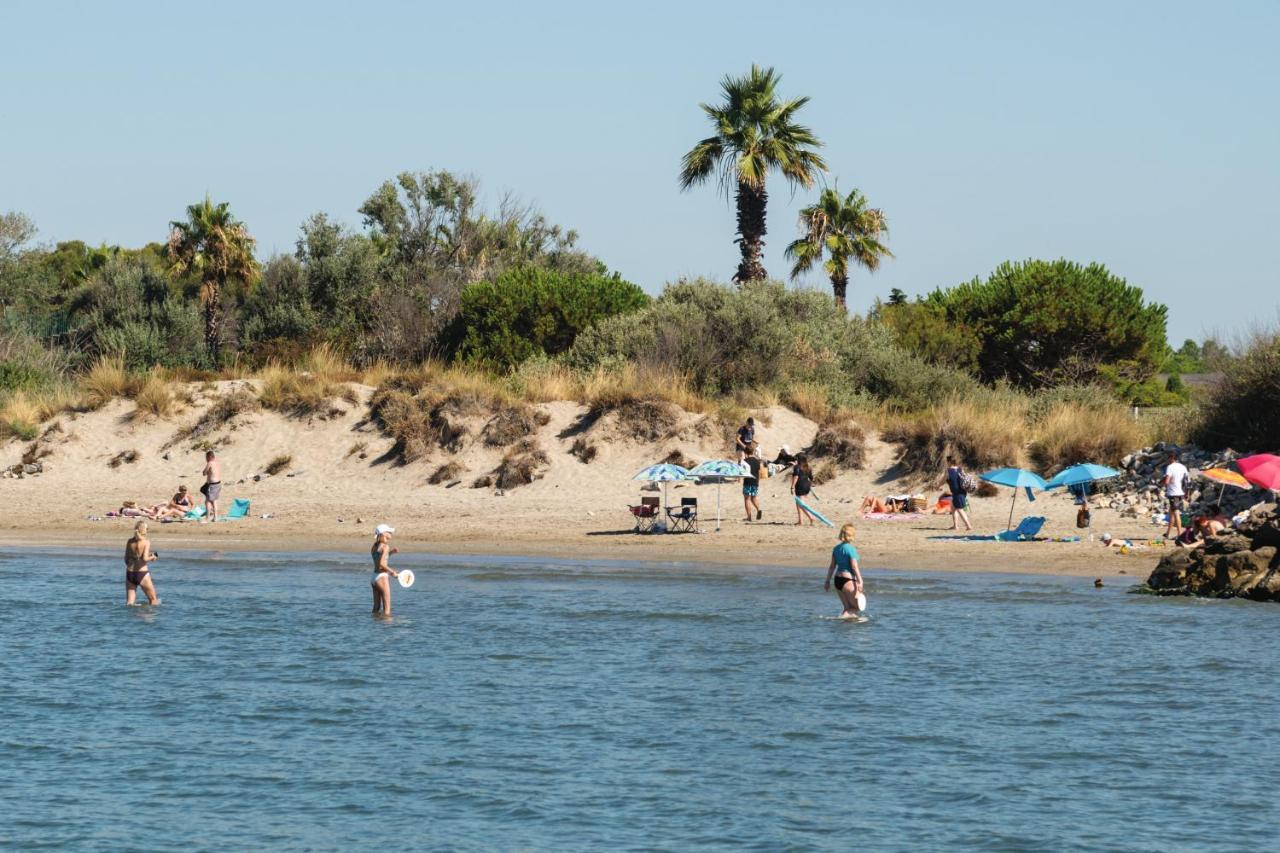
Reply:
x=844, y=229
x=755, y=133
x=1245, y=412
x=527, y=312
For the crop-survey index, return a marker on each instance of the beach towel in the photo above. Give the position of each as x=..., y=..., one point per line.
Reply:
x=892, y=516
x=239, y=509
x=195, y=514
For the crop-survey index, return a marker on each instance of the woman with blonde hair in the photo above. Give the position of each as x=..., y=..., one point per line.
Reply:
x=844, y=568
x=382, y=573
x=137, y=557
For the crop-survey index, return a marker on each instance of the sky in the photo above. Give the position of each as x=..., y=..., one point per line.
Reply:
x=1142, y=135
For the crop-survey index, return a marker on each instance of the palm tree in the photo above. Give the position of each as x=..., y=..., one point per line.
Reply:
x=846, y=229
x=754, y=134
x=216, y=247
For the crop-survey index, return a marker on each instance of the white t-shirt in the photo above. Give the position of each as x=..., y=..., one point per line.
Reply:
x=1177, y=474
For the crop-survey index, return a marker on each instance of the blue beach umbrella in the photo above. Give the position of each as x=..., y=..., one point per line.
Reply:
x=719, y=470
x=1018, y=478
x=663, y=472
x=1078, y=475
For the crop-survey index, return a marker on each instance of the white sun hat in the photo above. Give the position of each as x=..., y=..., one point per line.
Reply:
x=383, y=528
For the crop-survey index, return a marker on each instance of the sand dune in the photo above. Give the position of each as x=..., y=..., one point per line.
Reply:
x=339, y=485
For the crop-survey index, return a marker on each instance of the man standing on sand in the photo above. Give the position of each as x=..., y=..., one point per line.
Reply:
x=1175, y=478
x=212, y=487
x=746, y=437
x=959, y=497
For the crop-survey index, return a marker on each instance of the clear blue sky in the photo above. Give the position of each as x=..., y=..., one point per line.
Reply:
x=1142, y=135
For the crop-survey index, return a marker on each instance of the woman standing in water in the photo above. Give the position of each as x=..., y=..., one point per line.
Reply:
x=382, y=573
x=137, y=557
x=844, y=566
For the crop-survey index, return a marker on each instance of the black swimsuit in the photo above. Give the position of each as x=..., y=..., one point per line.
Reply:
x=136, y=577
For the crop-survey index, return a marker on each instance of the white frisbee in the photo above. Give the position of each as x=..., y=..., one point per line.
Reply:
x=406, y=578
x=862, y=602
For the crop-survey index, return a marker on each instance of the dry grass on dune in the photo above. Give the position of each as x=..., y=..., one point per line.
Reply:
x=511, y=424
x=106, y=380
x=22, y=413
x=809, y=400
x=154, y=399
x=222, y=412
x=1072, y=433
x=302, y=393
x=980, y=436
x=842, y=442
x=521, y=465
x=447, y=473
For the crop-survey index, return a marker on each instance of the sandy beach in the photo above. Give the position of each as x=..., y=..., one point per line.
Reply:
x=336, y=489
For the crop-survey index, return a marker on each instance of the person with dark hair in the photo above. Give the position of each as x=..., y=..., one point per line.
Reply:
x=751, y=484
x=802, y=487
x=1175, y=478
x=959, y=497
x=785, y=459
x=745, y=438
x=212, y=487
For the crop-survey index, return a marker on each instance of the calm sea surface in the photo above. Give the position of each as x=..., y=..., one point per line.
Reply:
x=571, y=705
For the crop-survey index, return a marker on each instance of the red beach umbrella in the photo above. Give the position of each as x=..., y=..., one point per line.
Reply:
x=1262, y=470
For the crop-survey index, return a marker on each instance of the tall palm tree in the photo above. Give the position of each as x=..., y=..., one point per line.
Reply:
x=845, y=229
x=217, y=248
x=754, y=134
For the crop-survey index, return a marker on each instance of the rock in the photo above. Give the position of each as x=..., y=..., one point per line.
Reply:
x=1227, y=543
x=32, y=468
x=1242, y=563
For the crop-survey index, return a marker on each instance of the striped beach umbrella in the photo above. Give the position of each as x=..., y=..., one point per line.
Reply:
x=663, y=472
x=1224, y=477
x=719, y=470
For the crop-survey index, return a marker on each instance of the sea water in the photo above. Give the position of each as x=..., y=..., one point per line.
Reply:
x=540, y=704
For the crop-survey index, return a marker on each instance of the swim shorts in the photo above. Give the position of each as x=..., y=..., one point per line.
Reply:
x=212, y=491
x=1175, y=502
x=959, y=501
x=750, y=491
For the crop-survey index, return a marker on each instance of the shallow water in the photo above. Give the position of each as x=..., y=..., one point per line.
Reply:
x=551, y=704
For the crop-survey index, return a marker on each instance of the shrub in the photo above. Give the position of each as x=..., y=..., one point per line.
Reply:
x=446, y=473
x=1073, y=433
x=222, y=412
x=124, y=457
x=154, y=399
x=294, y=393
x=1245, y=411
x=528, y=311
x=809, y=400
x=511, y=424
x=677, y=457
x=417, y=423
x=106, y=381
x=280, y=463
x=521, y=465
x=844, y=443
x=981, y=436
x=584, y=450
x=20, y=417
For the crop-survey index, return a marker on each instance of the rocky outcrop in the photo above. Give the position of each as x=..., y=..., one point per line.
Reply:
x=1244, y=563
x=1139, y=491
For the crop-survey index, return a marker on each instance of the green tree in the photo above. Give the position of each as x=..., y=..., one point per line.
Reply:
x=755, y=133
x=529, y=311
x=843, y=229
x=897, y=297
x=1052, y=322
x=923, y=328
x=216, y=248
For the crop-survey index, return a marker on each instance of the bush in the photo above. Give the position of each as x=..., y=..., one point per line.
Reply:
x=982, y=435
x=527, y=312
x=1047, y=322
x=584, y=450
x=521, y=465
x=280, y=463
x=1245, y=411
x=222, y=412
x=844, y=443
x=446, y=473
x=512, y=424
x=106, y=381
x=154, y=399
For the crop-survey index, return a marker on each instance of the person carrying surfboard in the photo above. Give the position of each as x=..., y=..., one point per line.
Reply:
x=844, y=568
x=382, y=573
x=801, y=486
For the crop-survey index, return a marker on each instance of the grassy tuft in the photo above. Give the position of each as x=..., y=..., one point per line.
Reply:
x=810, y=400
x=584, y=450
x=511, y=424
x=124, y=457
x=981, y=436
x=1072, y=433
x=106, y=380
x=447, y=473
x=154, y=399
x=280, y=463
x=222, y=412
x=521, y=465
x=301, y=394
x=843, y=443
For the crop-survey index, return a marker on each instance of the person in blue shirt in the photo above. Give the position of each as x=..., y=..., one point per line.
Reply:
x=844, y=569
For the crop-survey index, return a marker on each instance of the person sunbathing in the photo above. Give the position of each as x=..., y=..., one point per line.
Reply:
x=1212, y=523
x=873, y=504
x=177, y=507
x=942, y=506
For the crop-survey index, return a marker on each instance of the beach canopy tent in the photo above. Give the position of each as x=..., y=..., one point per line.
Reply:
x=1262, y=469
x=663, y=472
x=1017, y=478
x=717, y=471
x=1224, y=477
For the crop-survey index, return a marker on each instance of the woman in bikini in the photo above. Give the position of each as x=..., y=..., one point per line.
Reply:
x=382, y=573
x=844, y=569
x=137, y=557
x=177, y=507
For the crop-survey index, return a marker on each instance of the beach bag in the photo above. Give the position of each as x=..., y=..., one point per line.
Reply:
x=764, y=471
x=968, y=482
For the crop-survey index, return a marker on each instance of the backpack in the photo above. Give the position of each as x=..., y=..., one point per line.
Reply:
x=968, y=482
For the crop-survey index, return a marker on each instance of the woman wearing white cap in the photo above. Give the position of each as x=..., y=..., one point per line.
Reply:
x=382, y=573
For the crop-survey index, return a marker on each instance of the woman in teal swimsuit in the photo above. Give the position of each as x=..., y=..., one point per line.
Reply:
x=844, y=568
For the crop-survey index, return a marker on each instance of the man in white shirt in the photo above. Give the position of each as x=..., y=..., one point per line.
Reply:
x=1175, y=479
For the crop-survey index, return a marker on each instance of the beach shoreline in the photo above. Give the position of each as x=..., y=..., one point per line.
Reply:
x=1048, y=559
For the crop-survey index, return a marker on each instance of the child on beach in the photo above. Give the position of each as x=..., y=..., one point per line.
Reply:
x=802, y=487
x=137, y=573
x=751, y=484
x=212, y=487
x=382, y=573
x=844, y=568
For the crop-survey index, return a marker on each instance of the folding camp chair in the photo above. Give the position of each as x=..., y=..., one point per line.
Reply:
x=646, y=514
x=685, y=519
x=1026, y=530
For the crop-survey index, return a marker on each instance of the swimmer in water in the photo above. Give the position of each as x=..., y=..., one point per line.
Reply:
x=844, y=567
x=382, y=573
x=137, y=557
